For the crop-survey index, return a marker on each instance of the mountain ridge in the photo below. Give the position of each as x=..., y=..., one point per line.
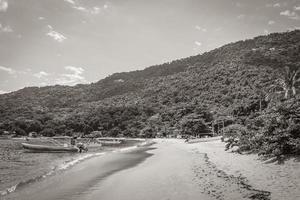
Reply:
x=220, y=81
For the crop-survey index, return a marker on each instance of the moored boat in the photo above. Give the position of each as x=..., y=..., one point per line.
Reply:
x=109, y=142
x=47, y=148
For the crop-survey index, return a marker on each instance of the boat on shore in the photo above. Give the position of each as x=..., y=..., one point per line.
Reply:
x=208, y=139
x=47, y=148
x=108, y=142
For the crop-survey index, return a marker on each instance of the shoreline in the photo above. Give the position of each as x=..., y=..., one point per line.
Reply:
x=68, y=164
x=80, y=177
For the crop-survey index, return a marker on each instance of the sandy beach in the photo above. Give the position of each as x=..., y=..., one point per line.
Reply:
x=281, y=180
x=169, y=169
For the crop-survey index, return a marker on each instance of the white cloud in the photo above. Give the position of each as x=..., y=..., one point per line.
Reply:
x=55, y=35
x=276, y=5
x=3, y=5
x=75, y=70
x=41, y=18
x=3, y=92
x=199, y=28
x=7, y=70
x=5, y=29
x=294, y=28
x=72, y=78
x=105, y=6
x=297, y=7
x=95, y=10
x=271, y=22
x=266, y=32
x=41, y=74
x=290, y=14
x=198, y=43
x=80, y=8
x=70, y=1
x=90, y=10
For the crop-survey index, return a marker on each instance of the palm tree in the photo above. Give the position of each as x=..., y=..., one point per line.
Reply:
x=287, y=82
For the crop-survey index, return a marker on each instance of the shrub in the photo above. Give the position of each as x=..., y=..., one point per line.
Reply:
x=48, y=132
x=281, y=133
x=233, y=135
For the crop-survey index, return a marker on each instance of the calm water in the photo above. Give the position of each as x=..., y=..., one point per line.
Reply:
x=20, y=167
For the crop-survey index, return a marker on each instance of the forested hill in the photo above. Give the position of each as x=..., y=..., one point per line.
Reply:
x=231, y=81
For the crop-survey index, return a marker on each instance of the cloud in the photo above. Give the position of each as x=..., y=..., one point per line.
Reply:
x=3, y=92
x=271, y=22
x=80, y=8
x=294, y=28
x=41, y=74
x=95, y=10
x=55, y=35
x=73, y=77
x=3, y=5
x=75, y=70
x=276, y=5
x=70, y=1
x=7, y=70
x=41, y=18
x=199, y=28
x=90, y=10
x=105, y=6
x=290, y=14
x=5, y=29
x=198, y=43
x=266, y=32
x=297, y=8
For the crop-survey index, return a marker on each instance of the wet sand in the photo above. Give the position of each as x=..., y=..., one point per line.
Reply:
x=169, y=169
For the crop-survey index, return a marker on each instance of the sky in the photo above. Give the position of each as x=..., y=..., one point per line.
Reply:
x=67, y=42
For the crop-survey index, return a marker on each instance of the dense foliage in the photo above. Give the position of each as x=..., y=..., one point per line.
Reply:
x=242, y=90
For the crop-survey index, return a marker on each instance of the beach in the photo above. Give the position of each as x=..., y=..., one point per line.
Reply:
x=281, y=180
x=169, y=169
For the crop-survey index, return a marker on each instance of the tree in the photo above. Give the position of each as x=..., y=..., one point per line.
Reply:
x=48, y=132
x=286, y=61
x=287, y=82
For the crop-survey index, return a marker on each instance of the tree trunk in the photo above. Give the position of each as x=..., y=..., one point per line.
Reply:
x=260, y=105
x=294, y=91
x=286, y=93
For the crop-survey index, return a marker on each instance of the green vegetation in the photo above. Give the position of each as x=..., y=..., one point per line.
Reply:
x=246, y=90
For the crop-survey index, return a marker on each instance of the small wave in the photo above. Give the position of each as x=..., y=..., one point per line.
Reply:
x=67, y=165
x=64, y=166
x=79, y=159
x=26, y=182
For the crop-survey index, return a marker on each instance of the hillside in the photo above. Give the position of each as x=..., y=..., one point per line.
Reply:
x=228, y=82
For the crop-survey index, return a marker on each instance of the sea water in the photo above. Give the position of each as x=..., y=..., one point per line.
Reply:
x=19, y=167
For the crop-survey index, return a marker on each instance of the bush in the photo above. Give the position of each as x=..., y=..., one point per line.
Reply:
x=281, y=133
x=233, y=135
x=48, y=132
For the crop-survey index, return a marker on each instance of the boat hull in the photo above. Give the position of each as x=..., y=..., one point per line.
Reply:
x=108, y=142
x=45, y=148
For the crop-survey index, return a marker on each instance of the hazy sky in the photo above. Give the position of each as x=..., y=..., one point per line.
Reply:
x=47, y=42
